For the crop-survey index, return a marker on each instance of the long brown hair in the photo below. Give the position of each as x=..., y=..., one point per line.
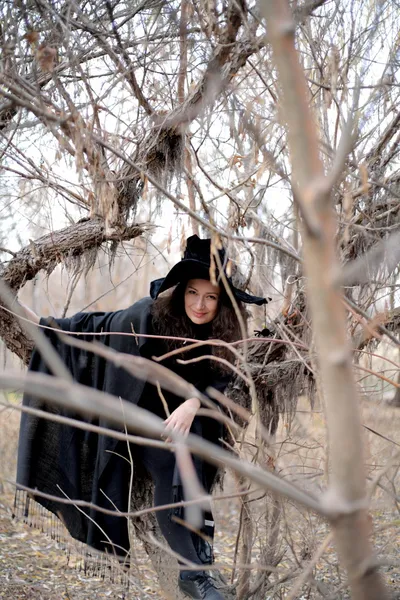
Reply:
x=170, y=319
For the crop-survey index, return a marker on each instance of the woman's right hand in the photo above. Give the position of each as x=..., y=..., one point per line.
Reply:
x=181, y=419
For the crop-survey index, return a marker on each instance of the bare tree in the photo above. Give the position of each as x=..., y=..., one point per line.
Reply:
x=112, y=114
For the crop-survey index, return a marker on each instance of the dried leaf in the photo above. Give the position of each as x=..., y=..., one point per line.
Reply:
x=169, y=240
x=347, y=204
x=236, y=159
x=46, y=57
x=145, y=187
x=364, y=178
x=32, y=37
x=183, y=239
x=213, y=267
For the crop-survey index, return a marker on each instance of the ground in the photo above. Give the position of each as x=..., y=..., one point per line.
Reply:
x=35, y=567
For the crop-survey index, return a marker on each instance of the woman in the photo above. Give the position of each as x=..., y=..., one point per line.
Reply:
x=89, y=467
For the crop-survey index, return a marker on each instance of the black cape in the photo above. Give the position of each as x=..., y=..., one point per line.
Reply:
x=83, y=464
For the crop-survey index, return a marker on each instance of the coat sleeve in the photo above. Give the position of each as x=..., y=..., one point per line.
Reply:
x=114, y=330
x=81, y=463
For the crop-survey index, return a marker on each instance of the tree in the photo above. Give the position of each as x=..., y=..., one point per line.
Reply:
x=113, y=111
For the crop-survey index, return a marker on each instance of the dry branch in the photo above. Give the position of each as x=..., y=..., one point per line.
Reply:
x=160, y=153
x=67, y=245
x=61, y=246
x=347, y=491
x=123, y=414
x=219, y=48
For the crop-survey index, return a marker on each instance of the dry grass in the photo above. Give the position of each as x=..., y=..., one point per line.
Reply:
x=32, y=566
x=9, y=430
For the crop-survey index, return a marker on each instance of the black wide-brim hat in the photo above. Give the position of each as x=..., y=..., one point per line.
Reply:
x=195, y=264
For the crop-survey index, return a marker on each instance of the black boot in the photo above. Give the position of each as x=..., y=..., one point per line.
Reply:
x=200, y=586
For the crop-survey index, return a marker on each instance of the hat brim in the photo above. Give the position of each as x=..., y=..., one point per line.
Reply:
x=194, y=269
x=183, y=271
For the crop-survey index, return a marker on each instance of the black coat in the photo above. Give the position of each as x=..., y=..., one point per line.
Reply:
x=83, y=464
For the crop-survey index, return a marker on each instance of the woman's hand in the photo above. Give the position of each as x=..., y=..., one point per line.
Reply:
x=180, y=421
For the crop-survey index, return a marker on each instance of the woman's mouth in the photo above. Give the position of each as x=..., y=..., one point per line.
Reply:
x=198, y=315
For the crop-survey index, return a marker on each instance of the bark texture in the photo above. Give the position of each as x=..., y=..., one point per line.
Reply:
x=74, y=243
x=347, y=488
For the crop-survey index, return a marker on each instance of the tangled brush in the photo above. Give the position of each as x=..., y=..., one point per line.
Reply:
x=159, y=154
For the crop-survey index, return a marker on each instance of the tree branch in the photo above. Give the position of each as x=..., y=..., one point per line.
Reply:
x=123, y=414
x=48, y=251
x=347, y=477
x=45, y=254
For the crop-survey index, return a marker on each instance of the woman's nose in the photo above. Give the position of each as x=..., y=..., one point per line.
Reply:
x=200, y=302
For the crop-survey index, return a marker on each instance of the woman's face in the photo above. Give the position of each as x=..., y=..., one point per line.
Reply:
x=201, y=301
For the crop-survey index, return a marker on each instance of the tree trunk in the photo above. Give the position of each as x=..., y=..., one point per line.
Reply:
x=347, y=488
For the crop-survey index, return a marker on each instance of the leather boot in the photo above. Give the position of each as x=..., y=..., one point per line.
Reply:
x=200, y=586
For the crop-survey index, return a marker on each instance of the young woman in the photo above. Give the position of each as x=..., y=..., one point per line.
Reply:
x=54, y=457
